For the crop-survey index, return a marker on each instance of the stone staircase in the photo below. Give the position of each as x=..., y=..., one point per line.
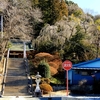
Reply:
x=16, y=79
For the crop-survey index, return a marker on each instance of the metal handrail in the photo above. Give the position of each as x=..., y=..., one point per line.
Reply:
x=4, y=76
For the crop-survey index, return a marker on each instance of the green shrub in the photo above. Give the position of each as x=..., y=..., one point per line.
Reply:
x=77, y=13
x=56, y=81
x=44, y=69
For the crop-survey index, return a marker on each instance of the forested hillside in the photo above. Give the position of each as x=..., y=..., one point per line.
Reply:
x=71, y=32
x=54, y=26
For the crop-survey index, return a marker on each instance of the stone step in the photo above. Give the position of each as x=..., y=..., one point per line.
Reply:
x=16, y=79
x=13, y=72
x=19, y=98
x=16, y=86
x=16, y=68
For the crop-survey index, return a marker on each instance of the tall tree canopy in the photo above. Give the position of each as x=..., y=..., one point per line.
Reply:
x=53, y=10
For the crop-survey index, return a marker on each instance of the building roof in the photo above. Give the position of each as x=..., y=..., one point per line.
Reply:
x=88, y=65
x=17, y=45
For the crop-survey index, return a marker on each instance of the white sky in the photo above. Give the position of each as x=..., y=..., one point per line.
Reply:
x=91, y=6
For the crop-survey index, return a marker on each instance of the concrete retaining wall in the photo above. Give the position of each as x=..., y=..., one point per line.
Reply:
x=48, y=98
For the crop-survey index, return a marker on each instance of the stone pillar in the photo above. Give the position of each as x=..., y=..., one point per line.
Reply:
x=37, y=89
x=8, y=53
x=24, y=51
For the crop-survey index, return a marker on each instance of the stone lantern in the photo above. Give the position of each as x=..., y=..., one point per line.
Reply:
x=37, y=89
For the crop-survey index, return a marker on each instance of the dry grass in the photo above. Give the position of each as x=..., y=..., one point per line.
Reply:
x=57, y=93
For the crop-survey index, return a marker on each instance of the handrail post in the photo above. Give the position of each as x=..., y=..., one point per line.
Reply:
x=24, y=51
x=8, y=53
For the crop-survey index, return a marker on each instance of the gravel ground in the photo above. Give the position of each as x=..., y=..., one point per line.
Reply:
x=57, y=93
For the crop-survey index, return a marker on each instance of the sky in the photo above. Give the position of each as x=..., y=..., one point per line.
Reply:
x=90, y=6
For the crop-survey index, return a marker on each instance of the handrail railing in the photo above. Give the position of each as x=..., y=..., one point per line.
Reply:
x=4, y=76
x=30, y=87
x=4, y=73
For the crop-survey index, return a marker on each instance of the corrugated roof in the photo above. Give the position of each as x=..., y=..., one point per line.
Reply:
x=87, y=62
x=78, y=68
x=88, y=65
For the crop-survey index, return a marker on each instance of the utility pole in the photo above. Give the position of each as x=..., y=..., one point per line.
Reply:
x=1, y=25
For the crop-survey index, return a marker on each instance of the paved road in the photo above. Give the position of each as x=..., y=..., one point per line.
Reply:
x=16, y=80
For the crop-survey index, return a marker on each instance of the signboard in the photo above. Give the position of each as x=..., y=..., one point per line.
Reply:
x=67, y=65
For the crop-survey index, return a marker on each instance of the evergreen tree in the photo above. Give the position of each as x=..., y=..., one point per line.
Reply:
x=53, y=10
x=44, y=69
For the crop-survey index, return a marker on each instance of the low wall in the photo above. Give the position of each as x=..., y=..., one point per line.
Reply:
x=70, y=98
x=48, y=98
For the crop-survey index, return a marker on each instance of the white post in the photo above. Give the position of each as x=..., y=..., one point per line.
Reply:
x=1, y=26
x=24, y=52
x=8, y=53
